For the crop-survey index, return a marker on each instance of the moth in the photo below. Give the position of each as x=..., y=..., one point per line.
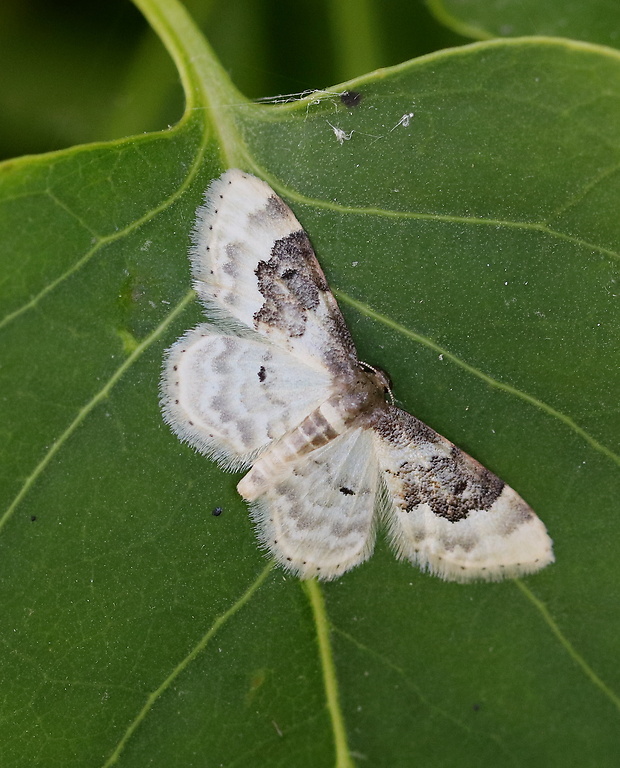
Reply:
x=275, y=386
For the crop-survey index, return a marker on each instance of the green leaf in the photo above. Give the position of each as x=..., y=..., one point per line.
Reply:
x=473, y=249
x=596, y=21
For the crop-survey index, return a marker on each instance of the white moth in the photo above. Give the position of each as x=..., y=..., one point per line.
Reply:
x=277, y=386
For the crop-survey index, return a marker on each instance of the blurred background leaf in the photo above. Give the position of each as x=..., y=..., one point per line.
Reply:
x=469, y=227
x=597, y=21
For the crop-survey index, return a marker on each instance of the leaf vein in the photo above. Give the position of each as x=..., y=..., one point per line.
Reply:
x=540, y=404
x=567, y=645
x=104, y=240
x=89, y=406
x=584, y=191
x=185, y=662
x=532, y=226
x=423, y=699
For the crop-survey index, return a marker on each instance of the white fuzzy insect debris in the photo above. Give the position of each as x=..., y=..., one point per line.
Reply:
x=404, y=120
x=277, y=388
x=341, y=136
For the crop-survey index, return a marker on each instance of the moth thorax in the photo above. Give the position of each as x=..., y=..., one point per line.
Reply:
x=363, y=394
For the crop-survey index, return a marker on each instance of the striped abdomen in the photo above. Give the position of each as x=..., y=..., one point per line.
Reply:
x=324, y=424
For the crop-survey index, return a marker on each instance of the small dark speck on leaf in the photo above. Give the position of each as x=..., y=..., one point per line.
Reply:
x=350, y=98
x=217, y=512
x=347, y=491
x=33, y=518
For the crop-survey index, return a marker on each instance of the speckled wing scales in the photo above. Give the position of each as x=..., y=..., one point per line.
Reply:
x=319, y=519
x=447, y=513
x=230, y=393
x=230, y=396
x=253, y=265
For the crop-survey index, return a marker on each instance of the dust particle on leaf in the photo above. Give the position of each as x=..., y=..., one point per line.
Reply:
x=350, y=98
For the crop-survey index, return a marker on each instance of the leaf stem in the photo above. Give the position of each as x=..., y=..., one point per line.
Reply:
x=205, y=82
x=319, y=612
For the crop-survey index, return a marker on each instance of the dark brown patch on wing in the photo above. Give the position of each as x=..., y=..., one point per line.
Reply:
x=401, y=428
x=433, y=471
x=290, y=283
x=340, y=364
x=451, y=485
x=275, y=208
x=293, y=286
